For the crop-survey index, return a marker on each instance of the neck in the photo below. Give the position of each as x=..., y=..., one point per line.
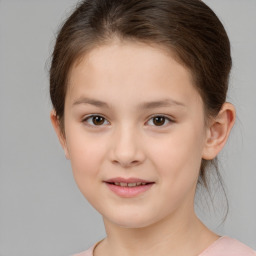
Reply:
x=175, y=235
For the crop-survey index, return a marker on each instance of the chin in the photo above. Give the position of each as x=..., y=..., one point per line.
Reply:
x=131, y=221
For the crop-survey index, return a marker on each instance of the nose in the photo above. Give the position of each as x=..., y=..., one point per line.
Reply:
x=127, y=148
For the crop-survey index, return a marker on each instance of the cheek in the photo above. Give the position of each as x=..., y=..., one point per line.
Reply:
x=86, y=155
x=177, y=159
x=178, y=155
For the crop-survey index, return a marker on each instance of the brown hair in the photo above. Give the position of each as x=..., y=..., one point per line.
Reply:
x=189, y=28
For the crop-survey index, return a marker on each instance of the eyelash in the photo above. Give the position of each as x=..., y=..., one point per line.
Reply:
x=166, y=119
x=85, y=120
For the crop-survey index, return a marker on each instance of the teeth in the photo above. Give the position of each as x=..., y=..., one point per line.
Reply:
x=123, y=184
x=132, y=184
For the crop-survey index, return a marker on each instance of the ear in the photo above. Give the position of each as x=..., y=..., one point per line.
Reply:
x=56, y=125
x=218, y=131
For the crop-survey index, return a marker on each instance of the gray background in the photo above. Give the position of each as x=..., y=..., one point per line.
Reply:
x=41, y=210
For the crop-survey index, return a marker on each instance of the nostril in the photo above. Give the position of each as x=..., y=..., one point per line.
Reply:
x=126, y=163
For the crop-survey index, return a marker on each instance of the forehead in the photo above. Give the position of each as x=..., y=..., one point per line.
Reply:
x=128, y=53
x=130, y=67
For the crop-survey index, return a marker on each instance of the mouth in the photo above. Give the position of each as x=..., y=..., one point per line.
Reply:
x=128, y=188
x=130, y=184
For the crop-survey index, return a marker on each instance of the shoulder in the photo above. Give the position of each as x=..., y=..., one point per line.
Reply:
x=88, y=252
x=226, y=246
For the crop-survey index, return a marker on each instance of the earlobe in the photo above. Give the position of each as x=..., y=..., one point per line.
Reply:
x=218, y=131
x=59, y=132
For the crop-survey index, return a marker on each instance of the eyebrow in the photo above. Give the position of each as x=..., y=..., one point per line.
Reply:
x=93, y=102
x=161, y=103
x=144, y=105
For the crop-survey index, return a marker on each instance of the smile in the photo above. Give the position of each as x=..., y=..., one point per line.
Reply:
x=123, y=184
x=128, y=188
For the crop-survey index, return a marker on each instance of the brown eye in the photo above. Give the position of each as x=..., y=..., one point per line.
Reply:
x=96, y=120
x=159, y=121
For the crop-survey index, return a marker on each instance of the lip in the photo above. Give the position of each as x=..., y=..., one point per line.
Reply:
x=127, y=180
x=128, y=192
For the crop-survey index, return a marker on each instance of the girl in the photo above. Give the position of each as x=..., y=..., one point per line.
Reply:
x=139, y=106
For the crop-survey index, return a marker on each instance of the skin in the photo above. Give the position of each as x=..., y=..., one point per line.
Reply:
x=126, y=76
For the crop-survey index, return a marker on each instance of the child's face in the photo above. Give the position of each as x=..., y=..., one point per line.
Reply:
x=149, y=125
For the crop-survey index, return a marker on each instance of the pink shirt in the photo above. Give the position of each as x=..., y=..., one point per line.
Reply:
x=224, y=246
